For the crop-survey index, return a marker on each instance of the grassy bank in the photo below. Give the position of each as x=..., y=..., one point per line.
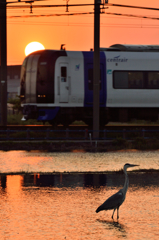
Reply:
x=93, y=146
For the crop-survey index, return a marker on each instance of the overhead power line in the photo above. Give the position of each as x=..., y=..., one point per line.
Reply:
x=84, y=13
x=131, y=6
x=80, y=5
x=50, y=6
x=131, y=15
x=50, y=15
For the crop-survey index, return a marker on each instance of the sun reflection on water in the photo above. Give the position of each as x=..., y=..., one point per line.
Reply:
x=62, y=206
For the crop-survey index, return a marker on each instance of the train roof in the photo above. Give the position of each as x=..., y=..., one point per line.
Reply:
x=133, y=48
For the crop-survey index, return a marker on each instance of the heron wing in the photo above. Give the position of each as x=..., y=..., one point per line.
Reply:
x=112, y=202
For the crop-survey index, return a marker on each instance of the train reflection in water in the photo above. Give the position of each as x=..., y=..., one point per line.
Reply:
x=65, y=180
x=73, y=180
x=95, y=180
x=3, y=181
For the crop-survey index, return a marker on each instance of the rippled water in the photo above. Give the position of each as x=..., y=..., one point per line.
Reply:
x=61, y=205
x=16, y=161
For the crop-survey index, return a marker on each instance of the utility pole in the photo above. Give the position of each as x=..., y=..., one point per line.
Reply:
x=96, y=69
x=3, y=64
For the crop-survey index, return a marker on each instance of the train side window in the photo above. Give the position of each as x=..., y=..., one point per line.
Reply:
x=153, y=80
x=90, y=79
x=63, y=74
x=128, y=80
x=120, y=80
x=135, y=80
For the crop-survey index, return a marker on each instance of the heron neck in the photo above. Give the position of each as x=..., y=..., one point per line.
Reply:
x=126, y=184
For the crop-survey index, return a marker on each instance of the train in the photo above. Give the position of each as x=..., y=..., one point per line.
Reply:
x=56, y=86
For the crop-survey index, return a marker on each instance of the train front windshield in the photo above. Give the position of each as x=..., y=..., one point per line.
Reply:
x=22, y=79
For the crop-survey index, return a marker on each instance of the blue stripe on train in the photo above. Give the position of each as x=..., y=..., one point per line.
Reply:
x=47, y=114
x=88, y=83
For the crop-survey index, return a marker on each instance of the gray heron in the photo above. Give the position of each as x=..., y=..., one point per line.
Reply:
x=118, y=198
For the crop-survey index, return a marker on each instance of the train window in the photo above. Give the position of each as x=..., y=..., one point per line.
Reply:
x=128, y=80
x=135, y=80
x=153, y=80
x=42, y=83
x=120, y=80
x=23, y=79
x=42, y=75
x=90, y=79
x=63, y=74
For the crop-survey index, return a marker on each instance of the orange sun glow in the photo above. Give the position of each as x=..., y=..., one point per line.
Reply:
x=32, y=47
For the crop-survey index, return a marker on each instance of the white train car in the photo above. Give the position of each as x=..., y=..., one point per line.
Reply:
x=57, y=86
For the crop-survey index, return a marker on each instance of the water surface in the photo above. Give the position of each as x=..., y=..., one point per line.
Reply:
x=35, y=161
x=58, y=196
x=31, y=209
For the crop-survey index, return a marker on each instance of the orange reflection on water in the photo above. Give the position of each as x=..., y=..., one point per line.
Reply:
x=78, y=150
x=22, y=161
x=51, y=207
x=11, y=202
x=14, y=183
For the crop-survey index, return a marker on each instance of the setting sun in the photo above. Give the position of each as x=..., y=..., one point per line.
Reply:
x=32, y=47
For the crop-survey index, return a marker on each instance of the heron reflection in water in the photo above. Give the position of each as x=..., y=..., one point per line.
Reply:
x=118, y=198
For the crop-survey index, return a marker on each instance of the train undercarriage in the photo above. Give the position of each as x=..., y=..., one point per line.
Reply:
x=66, y=116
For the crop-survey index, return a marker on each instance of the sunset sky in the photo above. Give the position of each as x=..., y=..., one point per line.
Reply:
x=77, y=31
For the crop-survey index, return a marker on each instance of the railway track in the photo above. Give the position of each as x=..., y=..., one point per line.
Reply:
x=79, y=127
x=40, y=132
x=78, y=137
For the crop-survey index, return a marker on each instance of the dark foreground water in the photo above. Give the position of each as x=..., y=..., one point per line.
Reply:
x=62, y=205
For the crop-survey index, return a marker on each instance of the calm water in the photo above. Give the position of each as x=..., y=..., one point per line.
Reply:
x=17, y=161
x=62, y=205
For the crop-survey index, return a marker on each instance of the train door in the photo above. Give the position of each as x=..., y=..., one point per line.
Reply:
x=63, y=83
x=31, y=76
x=88, y=79
x=89, y=84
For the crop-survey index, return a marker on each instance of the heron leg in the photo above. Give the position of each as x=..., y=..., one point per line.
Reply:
x=113, y=213
x=117, y=213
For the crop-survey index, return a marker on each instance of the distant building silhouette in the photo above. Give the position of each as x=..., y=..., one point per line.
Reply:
x=13, y=80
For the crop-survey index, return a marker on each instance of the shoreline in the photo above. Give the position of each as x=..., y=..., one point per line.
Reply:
x=139, y=171
x=82, y=146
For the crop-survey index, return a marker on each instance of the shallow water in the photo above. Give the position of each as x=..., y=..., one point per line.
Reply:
x=61, y=205
x=35, y=161
x=55, y=207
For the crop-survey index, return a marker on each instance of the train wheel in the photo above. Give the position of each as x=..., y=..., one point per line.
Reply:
x=53, y=123
x=89, y=122
x=66, y=123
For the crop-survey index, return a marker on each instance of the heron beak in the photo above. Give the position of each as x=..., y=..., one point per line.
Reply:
x=134, y=165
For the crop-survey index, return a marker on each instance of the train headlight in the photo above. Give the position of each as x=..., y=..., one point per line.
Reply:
x=41, y=96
